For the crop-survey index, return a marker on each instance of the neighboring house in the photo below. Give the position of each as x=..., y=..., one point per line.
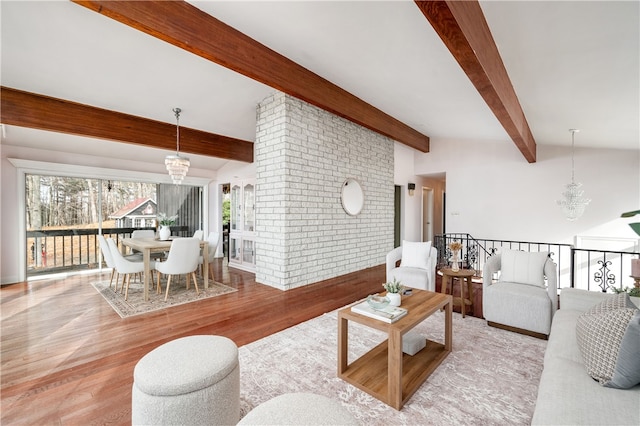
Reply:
x=140, y=213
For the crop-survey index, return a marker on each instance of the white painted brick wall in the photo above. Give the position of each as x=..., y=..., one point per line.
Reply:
x=303, y=155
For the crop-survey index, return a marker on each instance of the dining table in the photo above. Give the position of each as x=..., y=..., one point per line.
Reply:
x=153, y=245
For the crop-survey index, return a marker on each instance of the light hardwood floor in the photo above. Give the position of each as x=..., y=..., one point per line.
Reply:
x=68, y=358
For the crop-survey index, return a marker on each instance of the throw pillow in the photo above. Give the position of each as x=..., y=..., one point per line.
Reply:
x=627, y=372
x=600, y=336
x=614, y=301
x=415, y=255
x=523, y=267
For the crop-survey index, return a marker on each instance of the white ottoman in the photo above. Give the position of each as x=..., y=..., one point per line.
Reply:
x=193, y=380
x=299, y=409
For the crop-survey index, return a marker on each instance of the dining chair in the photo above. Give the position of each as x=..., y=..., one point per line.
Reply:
x=108, y=259
x=212, y=241
x=199, y=234
x=182, y=259
x=126, y=267
x=143, y=233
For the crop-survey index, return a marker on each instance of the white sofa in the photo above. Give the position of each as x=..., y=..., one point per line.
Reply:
x=567, y=394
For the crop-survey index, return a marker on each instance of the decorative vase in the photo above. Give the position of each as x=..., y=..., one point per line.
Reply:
x=455, y=262
x=165, y=232
x=394, y=299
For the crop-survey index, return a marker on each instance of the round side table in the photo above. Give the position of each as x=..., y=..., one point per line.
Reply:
x=448, y=275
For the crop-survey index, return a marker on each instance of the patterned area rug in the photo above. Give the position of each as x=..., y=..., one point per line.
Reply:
x=490, y=378
x=178, y=295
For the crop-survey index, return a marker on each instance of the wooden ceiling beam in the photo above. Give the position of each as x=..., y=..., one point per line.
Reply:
x=185, y=26
x=36, y=111
x=463, y=29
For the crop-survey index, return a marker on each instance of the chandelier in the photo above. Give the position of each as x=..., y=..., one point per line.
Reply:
x=177, y=166
x=573, y=203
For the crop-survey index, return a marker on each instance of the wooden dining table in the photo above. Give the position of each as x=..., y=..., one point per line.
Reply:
x=152, y=245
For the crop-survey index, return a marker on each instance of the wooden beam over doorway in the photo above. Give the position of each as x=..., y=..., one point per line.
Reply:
x=36, y=111
x=463, y=29
x=185, y=26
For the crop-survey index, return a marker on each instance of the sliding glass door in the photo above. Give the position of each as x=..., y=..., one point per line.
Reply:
x=64, y=215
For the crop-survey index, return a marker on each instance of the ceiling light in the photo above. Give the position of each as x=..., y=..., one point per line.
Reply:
x=573, y=204
x=177, y=166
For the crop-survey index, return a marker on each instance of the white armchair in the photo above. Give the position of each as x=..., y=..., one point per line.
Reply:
x=417, y=267
x=520, y=300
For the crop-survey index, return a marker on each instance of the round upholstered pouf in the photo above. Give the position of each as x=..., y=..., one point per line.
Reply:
x=299, y=409
x=193, y=380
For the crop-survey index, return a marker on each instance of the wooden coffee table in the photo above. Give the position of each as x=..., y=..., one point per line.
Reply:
x=385, y=372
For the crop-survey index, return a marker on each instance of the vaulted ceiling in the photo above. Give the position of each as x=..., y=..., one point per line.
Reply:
x=411, y=70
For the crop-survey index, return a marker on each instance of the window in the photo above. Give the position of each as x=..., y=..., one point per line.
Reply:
x=64, y=215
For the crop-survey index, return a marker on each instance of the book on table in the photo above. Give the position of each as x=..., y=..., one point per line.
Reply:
x=387, y=314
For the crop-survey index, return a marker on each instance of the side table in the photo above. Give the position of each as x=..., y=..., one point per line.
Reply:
x=448, y=275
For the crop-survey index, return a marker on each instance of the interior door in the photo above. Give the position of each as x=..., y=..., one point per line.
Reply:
x=427, y=214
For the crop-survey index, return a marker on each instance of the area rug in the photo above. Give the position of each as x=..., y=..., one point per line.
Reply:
x=490, y=378
x=178, y=295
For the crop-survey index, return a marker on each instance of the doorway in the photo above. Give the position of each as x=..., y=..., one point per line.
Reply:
x=397, y=210
x=427, y=214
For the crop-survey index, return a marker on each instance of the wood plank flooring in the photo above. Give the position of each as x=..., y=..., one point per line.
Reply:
x=67, y=358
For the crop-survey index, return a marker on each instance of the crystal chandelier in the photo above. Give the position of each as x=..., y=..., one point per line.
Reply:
x=573, y=204
x=177, y=166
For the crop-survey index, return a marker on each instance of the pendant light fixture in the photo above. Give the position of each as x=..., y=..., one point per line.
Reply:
x=573, y=203
x=177, y=166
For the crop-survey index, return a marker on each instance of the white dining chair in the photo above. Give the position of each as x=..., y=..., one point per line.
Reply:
x=143, y=233
x=199, y=234
x=182, y=259
x=126, y=267
x=212, y=241
x=108, y=259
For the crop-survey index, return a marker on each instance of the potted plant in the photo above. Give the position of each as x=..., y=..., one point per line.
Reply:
x=165, y=222
x=394, y=288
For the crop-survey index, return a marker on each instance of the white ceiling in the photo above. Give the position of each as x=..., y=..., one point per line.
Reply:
x=573, y=64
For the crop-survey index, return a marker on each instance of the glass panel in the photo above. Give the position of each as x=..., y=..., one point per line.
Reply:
x=247, y=251
x=249, y=207
x=236, y=208
x=62, y=216
x=234, y=249
x=185, y=202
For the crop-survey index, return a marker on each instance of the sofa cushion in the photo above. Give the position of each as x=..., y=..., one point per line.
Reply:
x=562, y=340
x=599, y=333
x=523, y=267
x=518, y=305
x=415, y=254
x=568, y=396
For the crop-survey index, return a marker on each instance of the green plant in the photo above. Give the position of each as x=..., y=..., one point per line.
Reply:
x=165, y=220
x=634, y=226
x=393, y=287
x=633, y=291
x=226, y=211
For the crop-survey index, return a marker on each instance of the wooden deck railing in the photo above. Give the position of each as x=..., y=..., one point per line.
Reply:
x=60, y=250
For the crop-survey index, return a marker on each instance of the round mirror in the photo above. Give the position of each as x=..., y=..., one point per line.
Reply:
x=352, y=197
